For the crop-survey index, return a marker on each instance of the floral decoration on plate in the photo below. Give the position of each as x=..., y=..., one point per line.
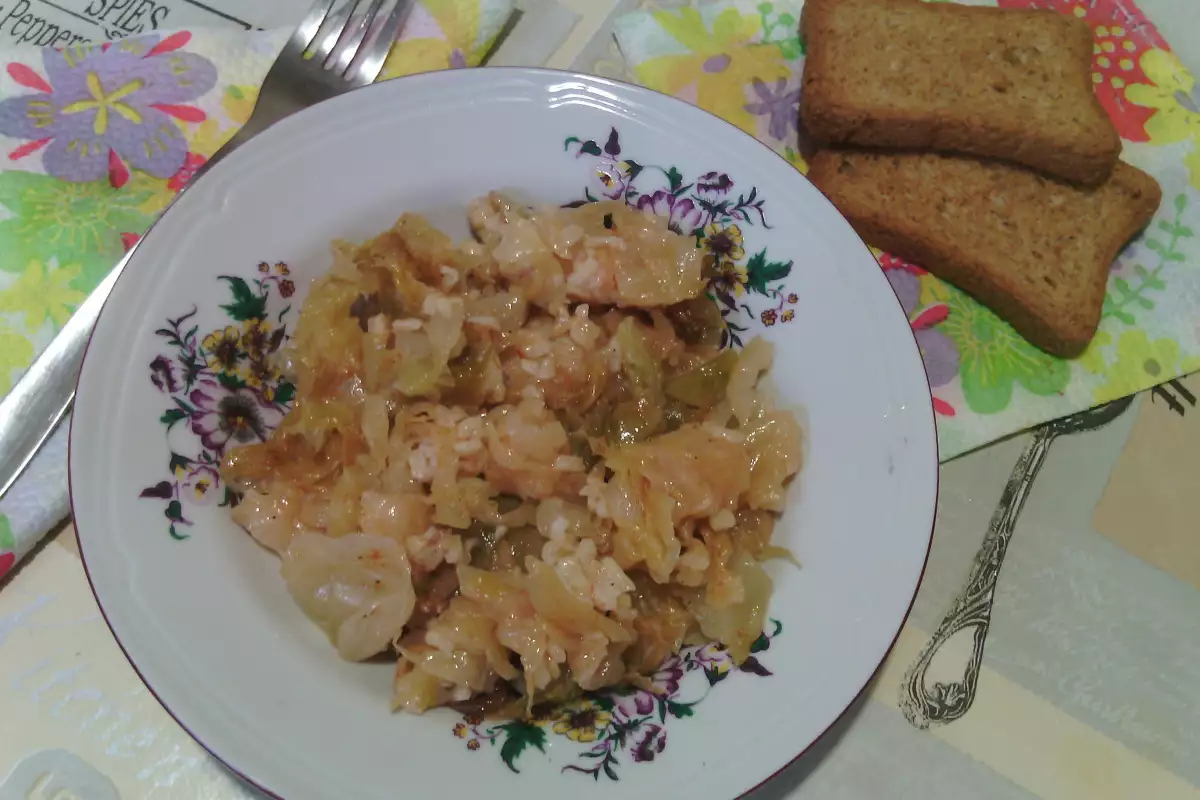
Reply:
x=224, y=389
x=623, y=720
x=707, y=208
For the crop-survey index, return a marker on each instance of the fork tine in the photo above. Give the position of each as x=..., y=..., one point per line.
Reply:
x=311, y=24
x=375, y=54
x=352, y=39
x=332, y=31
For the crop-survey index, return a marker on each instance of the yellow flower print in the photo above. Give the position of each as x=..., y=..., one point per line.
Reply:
x=238, y=102
x=256, y=333
x=209, y=136
x=1192, y=162
x=725, y=242
x=1141, y=363
x=260, y=374
x=721, y=63
x=223, y=348
x=201, y=486
x=1174, y=96
x=258, y=370
x=459, y=21
x=582, y=722
x=729, y=278
x=1178, y=118
x=42, y=294
x=1093, y=359
x=16, y=352
x=155, y=191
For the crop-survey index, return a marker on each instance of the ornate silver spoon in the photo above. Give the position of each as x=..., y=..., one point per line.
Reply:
x=939, y=703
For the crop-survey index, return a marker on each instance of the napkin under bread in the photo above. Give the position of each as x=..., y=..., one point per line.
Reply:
x=1036, y=251
x=1018, y=86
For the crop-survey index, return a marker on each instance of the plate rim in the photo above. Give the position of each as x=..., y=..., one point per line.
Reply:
x=516, y=72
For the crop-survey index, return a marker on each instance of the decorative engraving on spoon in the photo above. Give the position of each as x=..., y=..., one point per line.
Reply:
x=926, y=703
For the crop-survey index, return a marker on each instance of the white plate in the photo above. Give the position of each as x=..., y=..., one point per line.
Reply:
x=206, y=620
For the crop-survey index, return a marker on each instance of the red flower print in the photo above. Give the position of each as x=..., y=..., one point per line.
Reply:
x=769, y=317
x=940, y=406
x=938, y=351
x=889, y=261
x=1122, y=34
x=6, y=563
x=193, y=162
x=129, y=240
x=118, y=172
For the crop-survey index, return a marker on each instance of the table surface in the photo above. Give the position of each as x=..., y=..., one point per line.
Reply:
x=1091, y=683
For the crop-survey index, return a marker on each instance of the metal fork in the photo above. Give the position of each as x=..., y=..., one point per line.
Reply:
x=333, y=51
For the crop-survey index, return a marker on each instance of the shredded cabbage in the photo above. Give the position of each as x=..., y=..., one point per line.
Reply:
x=521, y=465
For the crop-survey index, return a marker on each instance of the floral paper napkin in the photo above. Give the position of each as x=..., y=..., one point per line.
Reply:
x=97, y=139
x=742, y=60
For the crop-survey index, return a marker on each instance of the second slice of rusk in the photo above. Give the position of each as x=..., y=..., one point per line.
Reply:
x=1034, y=250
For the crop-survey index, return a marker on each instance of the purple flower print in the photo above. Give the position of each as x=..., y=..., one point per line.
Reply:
x=670, y=673
x=717, y=64
x=650, y=744
x=610, y=179
x=223, y=414
x=165, y=374
x=713, y=185
x=637, y=704
x=937, y=349
x=201, y=484
x=682, y=215
x=666, y=681
x=101, y=106
x=780, y=104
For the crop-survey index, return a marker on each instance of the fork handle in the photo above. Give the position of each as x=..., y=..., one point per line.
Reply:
x=43, y=395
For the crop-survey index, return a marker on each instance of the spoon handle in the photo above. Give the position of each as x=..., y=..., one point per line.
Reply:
x=944, y=702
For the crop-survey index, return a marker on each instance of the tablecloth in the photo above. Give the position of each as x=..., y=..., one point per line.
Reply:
x=1088, y=689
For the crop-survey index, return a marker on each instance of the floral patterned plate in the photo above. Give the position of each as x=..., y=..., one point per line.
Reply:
x=180, y=370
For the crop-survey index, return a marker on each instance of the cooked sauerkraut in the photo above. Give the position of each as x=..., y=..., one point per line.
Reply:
x=521, y=465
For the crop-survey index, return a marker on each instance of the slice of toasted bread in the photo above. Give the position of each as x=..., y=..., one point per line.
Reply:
x=1000, y=83
x=1034, y=250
